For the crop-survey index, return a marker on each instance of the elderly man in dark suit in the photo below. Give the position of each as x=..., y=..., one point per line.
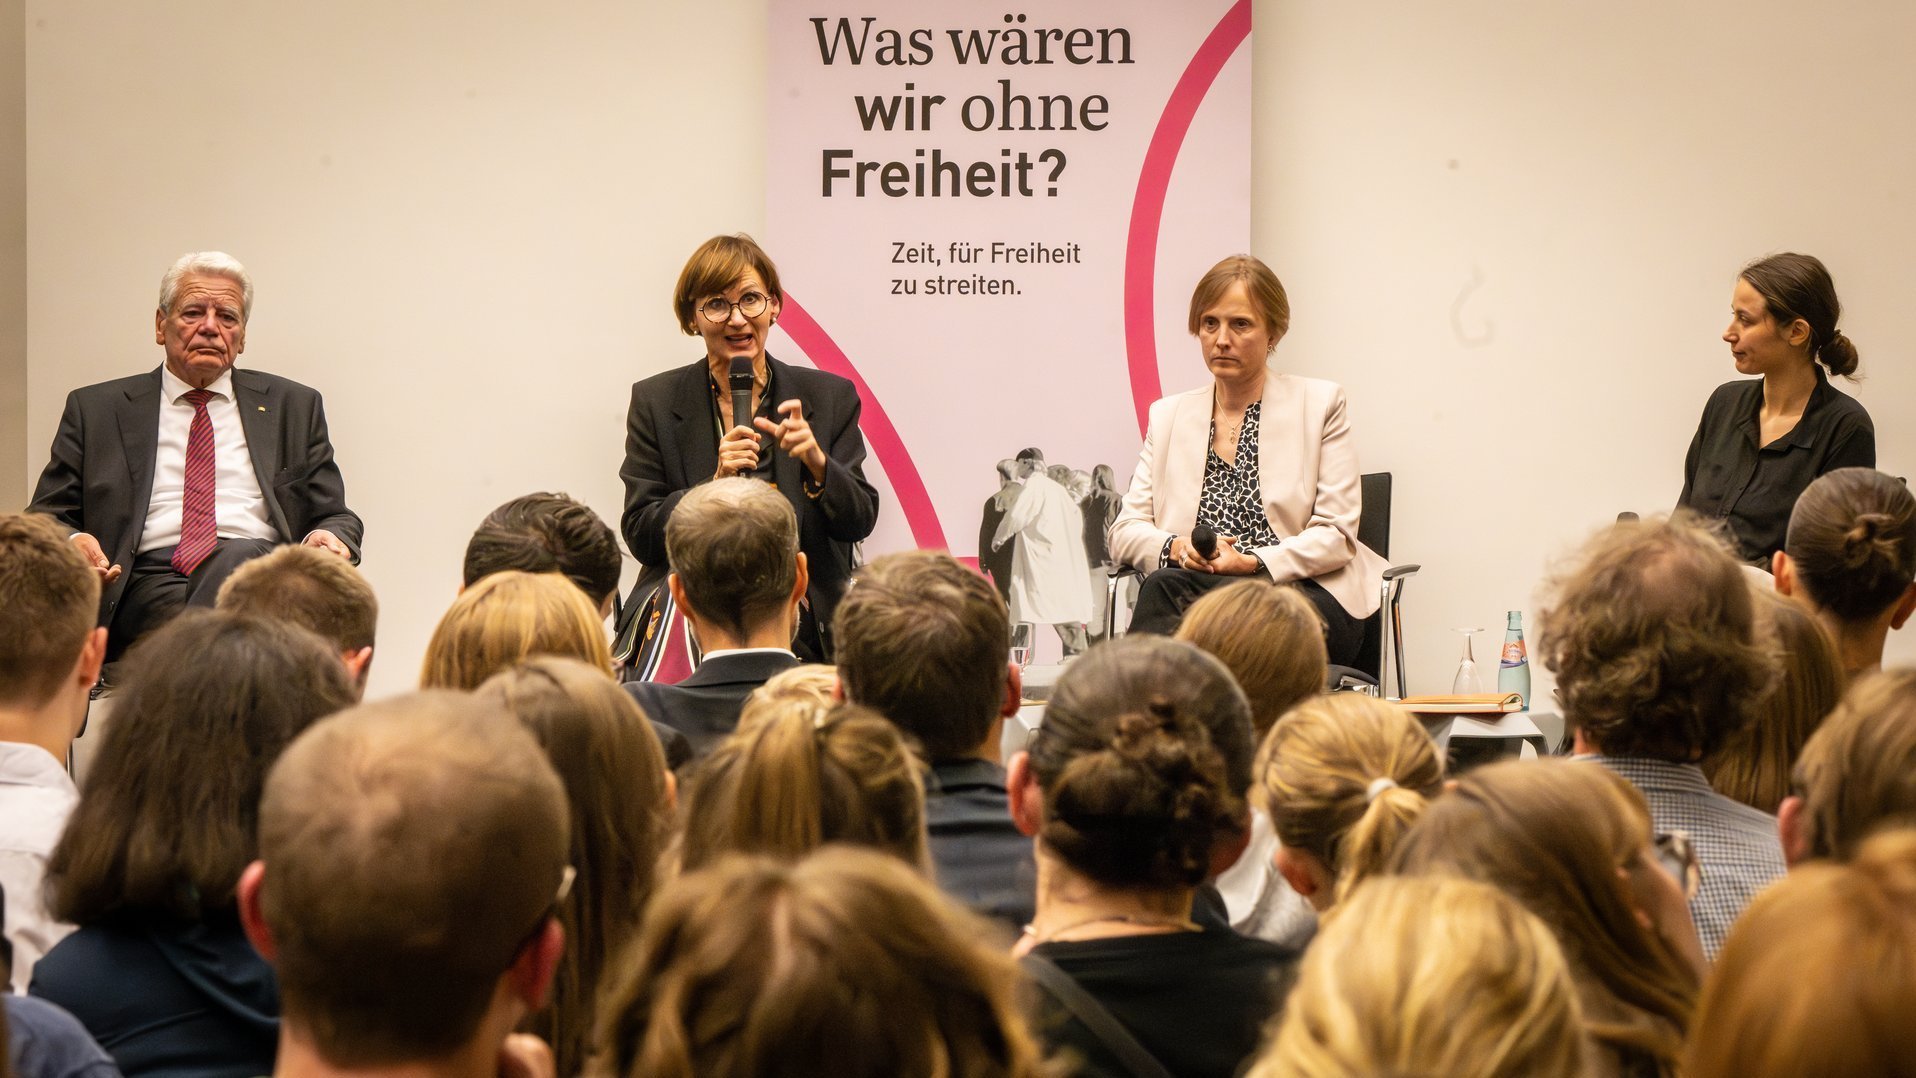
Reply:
x=739, y=575
x=169, y=480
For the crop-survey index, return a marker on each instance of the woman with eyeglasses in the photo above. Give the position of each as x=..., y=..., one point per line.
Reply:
x=1572, y=842
x=1261, y=459
x=800, y=432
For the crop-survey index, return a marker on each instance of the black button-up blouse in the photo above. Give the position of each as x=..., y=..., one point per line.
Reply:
x=1752, y=488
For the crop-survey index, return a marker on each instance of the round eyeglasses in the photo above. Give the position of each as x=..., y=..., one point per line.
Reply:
x=719, y=309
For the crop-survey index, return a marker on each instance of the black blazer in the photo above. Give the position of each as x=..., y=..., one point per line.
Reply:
x=99, y=479
x=671, y=446
x=705, y=706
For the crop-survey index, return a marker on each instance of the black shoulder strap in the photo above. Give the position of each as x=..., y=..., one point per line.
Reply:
x=1102, y=1024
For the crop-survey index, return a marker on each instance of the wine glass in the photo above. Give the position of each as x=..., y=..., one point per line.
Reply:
x=1021, y=644
x=1466, y=680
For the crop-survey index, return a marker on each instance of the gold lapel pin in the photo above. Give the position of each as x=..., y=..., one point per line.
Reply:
x=262, y=407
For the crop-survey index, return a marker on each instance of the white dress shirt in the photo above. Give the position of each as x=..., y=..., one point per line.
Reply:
x=239, y=506
x=36, y=797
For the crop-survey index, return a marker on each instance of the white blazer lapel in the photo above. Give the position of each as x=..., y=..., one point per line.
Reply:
x=1185, y=449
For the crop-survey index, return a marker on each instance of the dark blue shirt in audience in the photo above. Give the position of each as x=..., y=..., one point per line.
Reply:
x=978, y=855
x=172, y=1001
x=44, y=1041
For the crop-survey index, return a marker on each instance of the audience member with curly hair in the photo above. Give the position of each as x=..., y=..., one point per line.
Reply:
x=1818, y=978
x=1851, y=553
x=1134, y=788
x=798, y=774
x=1430, y=976
x=1857, y=774
x=1753, y=765
x=845, y=963
x=1573, y=843
x=1653, y=637
x=621, y=797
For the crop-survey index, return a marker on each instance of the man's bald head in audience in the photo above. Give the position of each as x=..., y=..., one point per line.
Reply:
x=410, y=851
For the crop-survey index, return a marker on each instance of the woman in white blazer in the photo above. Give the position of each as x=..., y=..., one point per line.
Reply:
x=1264, y=459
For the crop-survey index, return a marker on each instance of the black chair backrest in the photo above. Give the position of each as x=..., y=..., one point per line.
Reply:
x=1373, y=528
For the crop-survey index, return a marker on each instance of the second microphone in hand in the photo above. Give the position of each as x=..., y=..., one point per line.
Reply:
x=1204, y=541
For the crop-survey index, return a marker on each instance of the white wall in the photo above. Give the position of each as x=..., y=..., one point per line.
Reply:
x=465, y=218
x=13, y=254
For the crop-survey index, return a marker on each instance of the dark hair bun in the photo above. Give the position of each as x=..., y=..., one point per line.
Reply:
x=1145, y=810
x=1838, y=354
x=1873, y=543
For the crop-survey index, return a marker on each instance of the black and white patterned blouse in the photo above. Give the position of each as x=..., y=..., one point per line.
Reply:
x=1231, y=502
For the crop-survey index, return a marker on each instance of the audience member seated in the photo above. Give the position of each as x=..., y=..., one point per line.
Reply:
x=620, y=795
x=39, y=1040
x=738, y=577
x=50, y=653
x=1272, y=641
x=797, y=774
x=314, y=590
x=816, y=682
x=1343, y=777
x=1753, y=766
x=846, y=963
x=548, y=533
x=1573, y=843
x=1134, y=789
x=1653, y=638
x=159, y=970
x=923, y=641
x=1818, y=978
x=1851, y=552
x=410, y=853
x=509, y=616
x=1430, y=976
x=1857, y=775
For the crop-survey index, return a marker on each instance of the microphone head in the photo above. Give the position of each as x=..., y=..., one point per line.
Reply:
x=1204, y=541
x=741, y=376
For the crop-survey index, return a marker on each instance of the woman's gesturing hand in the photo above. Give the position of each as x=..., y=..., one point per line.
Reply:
x=794, y=435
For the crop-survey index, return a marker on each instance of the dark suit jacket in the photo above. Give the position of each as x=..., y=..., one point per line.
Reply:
x=671, y=446
x=705, y=706
x=979, y=856
x=99, y=479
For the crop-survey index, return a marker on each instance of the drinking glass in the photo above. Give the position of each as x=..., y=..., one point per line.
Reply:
x=1466, y=680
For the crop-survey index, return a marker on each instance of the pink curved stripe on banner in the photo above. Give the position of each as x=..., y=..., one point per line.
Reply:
x=913, y=499
x=1147, y=208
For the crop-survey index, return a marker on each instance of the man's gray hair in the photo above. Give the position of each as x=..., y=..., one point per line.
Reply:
x=209, y=263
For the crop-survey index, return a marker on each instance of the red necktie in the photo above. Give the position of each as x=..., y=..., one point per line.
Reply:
x=198, y=532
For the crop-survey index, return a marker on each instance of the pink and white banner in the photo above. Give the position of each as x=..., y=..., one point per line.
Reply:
x=991, y=221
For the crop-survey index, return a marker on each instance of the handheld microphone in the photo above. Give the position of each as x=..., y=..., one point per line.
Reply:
x=741, y=379
x=1204, y=541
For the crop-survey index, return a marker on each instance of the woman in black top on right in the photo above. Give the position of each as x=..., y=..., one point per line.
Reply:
x=1762, y=441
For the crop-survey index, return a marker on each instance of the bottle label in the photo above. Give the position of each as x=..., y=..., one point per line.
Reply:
x=1514, y=654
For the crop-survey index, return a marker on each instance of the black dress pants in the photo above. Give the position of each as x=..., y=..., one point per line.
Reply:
x=1168, y=593
x=156, y=592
